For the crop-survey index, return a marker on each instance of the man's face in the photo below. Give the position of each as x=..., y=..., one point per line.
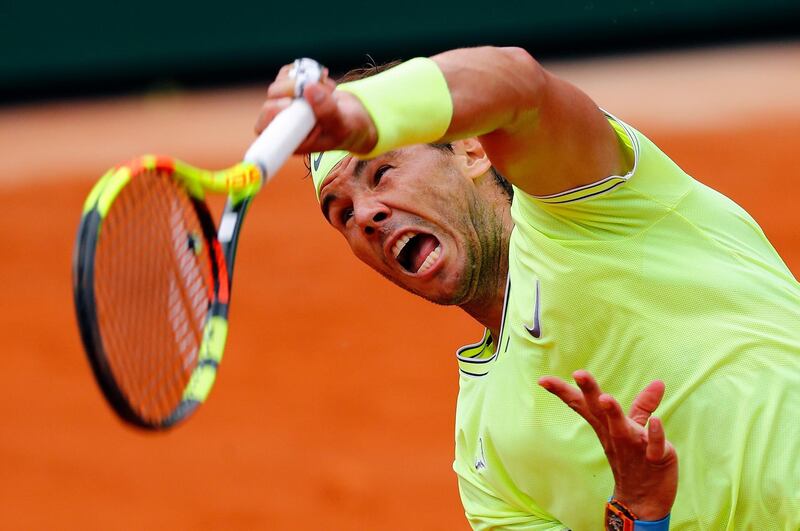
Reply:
x=409, y=214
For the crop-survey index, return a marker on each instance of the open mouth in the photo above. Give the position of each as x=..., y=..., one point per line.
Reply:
x=416, y=252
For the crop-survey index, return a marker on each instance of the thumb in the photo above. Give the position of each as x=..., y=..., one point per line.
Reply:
x=322, y=102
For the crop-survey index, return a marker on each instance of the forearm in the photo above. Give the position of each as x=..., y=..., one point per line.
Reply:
x=541, y=132
x=491, y=88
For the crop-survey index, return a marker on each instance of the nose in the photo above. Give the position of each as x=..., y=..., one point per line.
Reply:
x=370, y=214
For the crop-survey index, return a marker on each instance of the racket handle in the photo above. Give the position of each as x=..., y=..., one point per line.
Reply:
x=289, y=128
x=281, y=138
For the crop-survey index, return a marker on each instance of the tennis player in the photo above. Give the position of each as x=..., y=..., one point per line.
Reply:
x=480, y=179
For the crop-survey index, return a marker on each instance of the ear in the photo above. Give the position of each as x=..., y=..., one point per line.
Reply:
x=471, y=157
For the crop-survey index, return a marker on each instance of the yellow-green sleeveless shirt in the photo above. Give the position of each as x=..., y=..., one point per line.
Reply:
x=646, y=276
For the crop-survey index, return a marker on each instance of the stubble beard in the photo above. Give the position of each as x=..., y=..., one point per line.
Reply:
x=483, y=231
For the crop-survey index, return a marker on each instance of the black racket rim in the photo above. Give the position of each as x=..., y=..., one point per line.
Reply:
x=88, y=321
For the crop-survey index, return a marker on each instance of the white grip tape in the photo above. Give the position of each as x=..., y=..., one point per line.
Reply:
x=281, y=137
x=226, y=226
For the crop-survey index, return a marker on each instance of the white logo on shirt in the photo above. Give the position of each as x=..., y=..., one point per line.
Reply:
x=480, y=461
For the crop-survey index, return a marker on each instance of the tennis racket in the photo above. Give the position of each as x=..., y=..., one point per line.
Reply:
x=152, y=272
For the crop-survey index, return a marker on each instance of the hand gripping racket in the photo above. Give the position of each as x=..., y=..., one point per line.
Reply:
x=152, y=273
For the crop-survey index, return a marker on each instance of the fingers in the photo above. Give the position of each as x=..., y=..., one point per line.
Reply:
x=330, y=129
x=591, y=392
x=281, y=92
x=646, y=402
x=602, y=410
x=640, y=457
x=269, y=110
x=568, y=394
x=284, y=84
x=618, y=425
x=285, y=71
x=281, y=88
x=320, y=97
x=326, y=80
x=587, y=384
x=656, y=441
x=342, y=121
x=576, y=400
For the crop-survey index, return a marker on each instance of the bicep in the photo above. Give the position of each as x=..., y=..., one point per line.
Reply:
x=542, y=133
x=563, y=143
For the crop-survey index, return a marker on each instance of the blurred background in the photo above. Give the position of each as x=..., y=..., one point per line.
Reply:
x=335, y=403
x=94, y=46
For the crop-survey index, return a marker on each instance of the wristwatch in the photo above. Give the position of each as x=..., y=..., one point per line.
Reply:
x=618, y=516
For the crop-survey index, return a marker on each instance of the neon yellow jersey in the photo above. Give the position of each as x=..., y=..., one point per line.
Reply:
x=646, y=276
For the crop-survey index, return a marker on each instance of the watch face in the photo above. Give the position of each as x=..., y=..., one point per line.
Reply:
x=614, y=522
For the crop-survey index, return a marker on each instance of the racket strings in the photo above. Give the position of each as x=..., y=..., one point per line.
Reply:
x=153, y=281
x=182, y=282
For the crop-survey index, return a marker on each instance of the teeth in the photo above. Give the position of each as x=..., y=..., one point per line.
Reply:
x=429, y=261
x=399, y=244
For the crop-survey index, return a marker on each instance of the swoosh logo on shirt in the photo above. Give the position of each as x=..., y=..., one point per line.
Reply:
x=535, y=330
x=480, y=461
x=317, y=160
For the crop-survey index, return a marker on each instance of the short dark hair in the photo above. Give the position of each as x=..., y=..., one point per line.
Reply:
x=370, y=69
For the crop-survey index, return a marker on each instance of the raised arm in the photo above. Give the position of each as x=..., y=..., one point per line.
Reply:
x=542, y=133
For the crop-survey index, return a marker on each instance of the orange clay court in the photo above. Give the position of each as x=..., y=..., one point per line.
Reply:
x=335, y=402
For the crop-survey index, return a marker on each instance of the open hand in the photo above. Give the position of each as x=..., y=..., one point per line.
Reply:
x=644, y=463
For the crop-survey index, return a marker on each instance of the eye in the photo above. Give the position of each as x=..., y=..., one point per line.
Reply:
x=345, y=214
x=376, y=179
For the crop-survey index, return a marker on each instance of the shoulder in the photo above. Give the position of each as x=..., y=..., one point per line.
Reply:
x=614, y=205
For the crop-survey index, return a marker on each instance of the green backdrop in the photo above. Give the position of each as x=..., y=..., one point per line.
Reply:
x=51, y=48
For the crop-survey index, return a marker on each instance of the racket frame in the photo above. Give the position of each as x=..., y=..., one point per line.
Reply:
x=265, y=156
x=241, y=183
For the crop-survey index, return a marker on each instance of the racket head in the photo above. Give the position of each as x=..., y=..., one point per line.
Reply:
x=151, y=286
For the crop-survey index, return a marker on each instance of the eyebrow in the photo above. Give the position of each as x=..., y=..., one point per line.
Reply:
x=326, y=205
x=360, y=165
x=330, y=198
